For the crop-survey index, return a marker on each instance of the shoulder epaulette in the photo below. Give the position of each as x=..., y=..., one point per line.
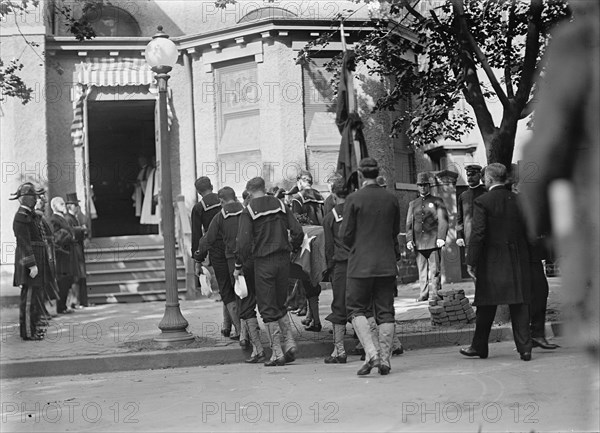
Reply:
x=254, y=215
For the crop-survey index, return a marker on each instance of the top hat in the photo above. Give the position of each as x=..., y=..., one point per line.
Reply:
x=26, y=188
x=423, y=178
x=72, y=198
x=473, y=168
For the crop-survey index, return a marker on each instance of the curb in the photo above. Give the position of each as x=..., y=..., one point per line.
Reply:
x=178, y=358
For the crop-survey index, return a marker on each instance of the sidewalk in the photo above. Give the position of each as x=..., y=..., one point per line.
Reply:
x=120, y=336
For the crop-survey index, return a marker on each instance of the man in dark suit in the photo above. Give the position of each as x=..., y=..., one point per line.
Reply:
x=464, y=219
x=498, y=260
x=66, y=260
x=371, y=223
x=80, y=230
x=426, y=230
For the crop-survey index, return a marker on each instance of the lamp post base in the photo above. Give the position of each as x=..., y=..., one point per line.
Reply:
x=174, y=328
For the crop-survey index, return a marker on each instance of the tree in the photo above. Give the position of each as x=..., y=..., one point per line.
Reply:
x=453, y=42
x=11, y=84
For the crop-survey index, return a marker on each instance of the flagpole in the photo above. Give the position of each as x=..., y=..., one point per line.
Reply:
x=350, y=89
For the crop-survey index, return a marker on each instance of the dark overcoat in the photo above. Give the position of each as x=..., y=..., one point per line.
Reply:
x=64, y=243
x=499, y=250
x=464, y=218
x=78, y=250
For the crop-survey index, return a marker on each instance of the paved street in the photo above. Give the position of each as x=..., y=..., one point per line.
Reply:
x=428, y=390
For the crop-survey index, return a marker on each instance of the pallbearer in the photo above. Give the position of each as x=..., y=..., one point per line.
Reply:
x=263, y=234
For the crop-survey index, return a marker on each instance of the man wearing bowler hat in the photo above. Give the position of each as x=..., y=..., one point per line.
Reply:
x=464, y=221
x=77, y=220
x=426, y=229
x=32, y=268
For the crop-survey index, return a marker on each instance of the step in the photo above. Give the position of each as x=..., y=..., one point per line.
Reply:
x=149, y=296
x=129, y=252
x=124, y=275
x=142, y=240
x=137, y=263
x=131, y=286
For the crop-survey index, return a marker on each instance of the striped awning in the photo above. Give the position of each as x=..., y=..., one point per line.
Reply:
x=114, y=72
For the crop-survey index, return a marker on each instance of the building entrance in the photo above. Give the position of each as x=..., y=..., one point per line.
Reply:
x=121, y=140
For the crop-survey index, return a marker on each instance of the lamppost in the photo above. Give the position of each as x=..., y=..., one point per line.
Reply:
x=161, y=54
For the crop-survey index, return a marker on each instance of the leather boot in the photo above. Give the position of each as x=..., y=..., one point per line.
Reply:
x=254, y=334
x=362, y=329
x=289, y=344
x=232, y=308
x=274, y=333
x=386, y=341
x=226, y=329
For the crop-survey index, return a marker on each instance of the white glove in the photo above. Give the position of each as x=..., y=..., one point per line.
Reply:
x=33, y=271
x=440, y=243
x=410, y=245
x=460, y=242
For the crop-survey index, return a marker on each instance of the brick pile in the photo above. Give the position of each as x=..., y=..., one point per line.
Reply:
x=452, y=309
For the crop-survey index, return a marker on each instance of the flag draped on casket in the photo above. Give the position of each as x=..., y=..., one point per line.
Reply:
x=349, y=122
x=311, y=257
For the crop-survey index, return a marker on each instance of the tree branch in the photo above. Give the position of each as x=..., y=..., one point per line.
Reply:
x=507, y=52
x=532, y=50
x=413, y=11
x=459, y=15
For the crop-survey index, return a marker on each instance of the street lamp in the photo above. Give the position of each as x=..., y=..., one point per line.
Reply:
x=161, y=54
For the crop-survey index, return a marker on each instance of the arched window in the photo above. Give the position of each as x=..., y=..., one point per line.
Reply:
x=266, y=12
x=109, y=20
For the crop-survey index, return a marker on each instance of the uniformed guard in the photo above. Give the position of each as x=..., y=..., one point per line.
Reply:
x=336, y=255
x=263, y=234
x=464, y=219
x=202, y=214
x=32, y=269
x=370, y=230
x=225, y=225
x=426, y=230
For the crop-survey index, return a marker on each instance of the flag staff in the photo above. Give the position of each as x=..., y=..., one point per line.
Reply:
x=350, y=87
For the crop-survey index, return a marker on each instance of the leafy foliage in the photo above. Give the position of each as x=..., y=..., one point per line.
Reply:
x=12, y=84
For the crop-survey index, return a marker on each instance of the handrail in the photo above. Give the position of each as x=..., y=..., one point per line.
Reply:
x=184, y=242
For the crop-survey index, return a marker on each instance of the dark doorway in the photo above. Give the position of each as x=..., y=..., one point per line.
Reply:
x=119, y=133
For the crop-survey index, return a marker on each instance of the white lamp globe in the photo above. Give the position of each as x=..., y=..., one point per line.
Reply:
x=161, y=51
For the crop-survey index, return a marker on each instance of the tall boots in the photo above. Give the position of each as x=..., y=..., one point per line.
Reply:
x=339, y=353
x=289, y=343
x=253, y=330
x=226, y=329
x=313, y=308
x=232, y=308
x=386, y=341
x=362, y=329
x=274, y=334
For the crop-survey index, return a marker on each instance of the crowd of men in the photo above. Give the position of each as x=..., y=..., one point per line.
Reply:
x=49, y=258
x=256, y=240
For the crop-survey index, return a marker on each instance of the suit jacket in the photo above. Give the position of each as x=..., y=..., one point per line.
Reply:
x=65, y=242
x=464, y=220
x=370, y=229
x=426, y=221
x=499, y=250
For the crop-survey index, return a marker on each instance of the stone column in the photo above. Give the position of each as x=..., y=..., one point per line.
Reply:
x=445, y=188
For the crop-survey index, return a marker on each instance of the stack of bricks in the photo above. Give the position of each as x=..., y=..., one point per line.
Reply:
x=453, y=308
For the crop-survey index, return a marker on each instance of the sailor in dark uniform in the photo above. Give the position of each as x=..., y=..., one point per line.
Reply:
x=32, y=268
x=307, y=206
x=336, y=255
x=202, y=214
x=263, y=234
x=225, y=225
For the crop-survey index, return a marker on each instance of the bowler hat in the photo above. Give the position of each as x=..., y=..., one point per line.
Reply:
x=423, y=178
x=26, y=188
x=72, y=198
x=473, y=168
